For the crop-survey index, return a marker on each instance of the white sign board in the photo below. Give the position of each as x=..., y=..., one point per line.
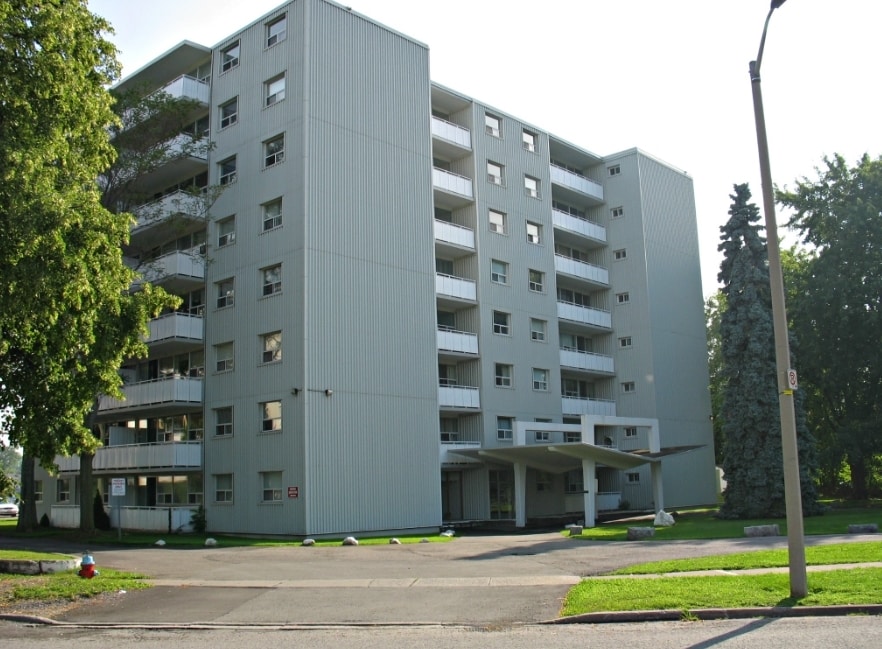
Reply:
x=117, y=486
x=792, y=382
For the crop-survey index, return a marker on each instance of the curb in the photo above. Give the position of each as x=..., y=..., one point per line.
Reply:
x=719, y=614
x=37, y=566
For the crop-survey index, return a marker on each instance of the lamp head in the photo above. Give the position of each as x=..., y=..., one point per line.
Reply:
x=777, y=3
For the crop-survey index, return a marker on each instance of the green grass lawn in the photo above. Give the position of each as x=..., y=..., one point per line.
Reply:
x=65, y=586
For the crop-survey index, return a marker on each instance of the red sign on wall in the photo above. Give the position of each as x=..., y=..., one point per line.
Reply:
x=293, y=492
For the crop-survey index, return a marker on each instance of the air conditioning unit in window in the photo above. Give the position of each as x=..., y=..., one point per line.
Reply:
x=492, y=131
x=529, y=146
x=532, y=193
x=496, y=180
x=226, y=239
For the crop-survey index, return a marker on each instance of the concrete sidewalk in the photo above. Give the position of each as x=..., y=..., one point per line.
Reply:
x=479, y=581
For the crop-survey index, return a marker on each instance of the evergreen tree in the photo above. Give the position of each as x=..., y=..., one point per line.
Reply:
x=752, y=457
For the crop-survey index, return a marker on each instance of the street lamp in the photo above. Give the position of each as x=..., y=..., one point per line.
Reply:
x=786, y=376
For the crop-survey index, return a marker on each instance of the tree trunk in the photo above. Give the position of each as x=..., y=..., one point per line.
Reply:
x=859, y=475
x=27, y=508
x=87, y=494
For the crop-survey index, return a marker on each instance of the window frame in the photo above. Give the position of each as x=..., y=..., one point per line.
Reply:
x=268, y=422
x=535, y=239
x=503, y=375
x=541, y=384
x=614, y=170
x=504, y=433
x=534, y=191
x=227, y=61
x=489, y=128
x=499, y=271
x=538, y=335
x=227, y=171
x=219, y=425
x=231, y=118
x=625, y=342
x=271, y=286
x=226, y=293
x=226, y=235
x=274, y=37
x=623, y=298
x=272, y=347
x=225, y=356
x=271, y=98
x=226, y=490
x=532, y=144
x=617, y=212
x=502, y=226
x=274, y=491
x=274, y=151
x=274, y=221
x=620, y=254
x=495, y=179
x=500, y=328
x=628, y=387
x=536, y=280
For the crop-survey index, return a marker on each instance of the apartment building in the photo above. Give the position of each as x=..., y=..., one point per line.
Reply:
x=403, y=308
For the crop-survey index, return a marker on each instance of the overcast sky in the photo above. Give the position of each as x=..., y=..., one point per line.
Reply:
x=667, y=76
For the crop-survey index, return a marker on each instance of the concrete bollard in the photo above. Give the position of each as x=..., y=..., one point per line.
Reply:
x=762, y=530
x=863, y=528
x=637, y=533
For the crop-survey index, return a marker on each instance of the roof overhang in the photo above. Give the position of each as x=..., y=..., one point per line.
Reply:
x=180, y=59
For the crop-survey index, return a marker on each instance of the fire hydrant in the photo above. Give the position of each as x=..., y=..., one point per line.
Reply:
x=87, y=567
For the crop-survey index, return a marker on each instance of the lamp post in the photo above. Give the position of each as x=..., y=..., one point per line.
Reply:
x=785, y=375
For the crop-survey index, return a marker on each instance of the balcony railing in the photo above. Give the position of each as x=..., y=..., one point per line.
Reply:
x=461, y=342
x=459, y=397
x=456, y=235
x=587, y=361
x=450, y=457
x=174, y=264
x=186, y=87
x=582, y=270
x=588, y=316
x=452, y=183
x=451, y=132
x=175, y=325
x=455, y=287
x=577, y=182
x=159, y=455
x=171, y=390
x=582, y=227
x=583, y=406
x=176, y=204
x=152, y=519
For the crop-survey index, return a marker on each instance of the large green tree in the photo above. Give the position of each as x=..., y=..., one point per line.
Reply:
x=714, y=307
x=67, y=317
x=752, y=458
x=838, y=314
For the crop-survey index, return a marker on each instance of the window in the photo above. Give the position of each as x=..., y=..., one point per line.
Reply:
x=230, y=57
x=271, y=416
x=227, y=170
x=274, y=90
x=498, y=271
x=615, y=170
x=540, y=380
x=492, y=125
x=501, y=323
x=531, y=186
x=225, y=293
x=504, y=428
x=537, y=329
x=503, y=375
x=617, y=212
x=447, y=375
x=272, y=347
x=224, y=355
x=273, y=151
x=223, y=488
x=62, y=490
x=498, y=222
x=633, y=478
x=272, y=280
x=272, y=214
x=620, y=254
x=223, y=421
x=495, y=173
x=631, y=431
x=444, y=266
x=534, y=233
x=449, y=429
x=625, y=341
x=574, y=481
x=272, y=486
x=529, y=140
x=38, y=491
x=276, y=31
x=628, y=387
x=229, y=112
x=576, y=343
x=623, y=298
x=226, y=231
x=573, y=297
x=570, y=437
x=537, y=281
x=542, y=436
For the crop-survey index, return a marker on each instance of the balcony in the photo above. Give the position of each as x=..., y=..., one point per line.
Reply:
x=455, y=289
x=174, y=333
x=584, y=315
x=450, y=140
x=454, y=240
x=582, y=406
x=586, y=361
x=160, y=396
x=177, y=210
x=174, y=456
x=177, y=271
x=184, y=156
x=576, y=182
x=457, y=343
x=458, y=397
x=583, y=228
x=189, y=88
x=595, y=275
x=451, y=190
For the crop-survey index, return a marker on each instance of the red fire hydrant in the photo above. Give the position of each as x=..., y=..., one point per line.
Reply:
x=87, y=567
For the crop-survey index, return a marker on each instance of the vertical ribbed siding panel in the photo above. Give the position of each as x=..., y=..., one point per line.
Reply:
x=678, y=334
x=369, y=296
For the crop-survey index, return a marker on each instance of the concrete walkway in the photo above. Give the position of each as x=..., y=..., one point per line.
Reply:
x=480, y=580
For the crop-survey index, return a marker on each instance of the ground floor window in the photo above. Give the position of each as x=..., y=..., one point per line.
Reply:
x=223, y=488
x=62, y=490
x=574, y=482
x=272, y=486
x=38, y=491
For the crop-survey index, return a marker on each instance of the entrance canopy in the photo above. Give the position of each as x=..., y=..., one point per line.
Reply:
x=560, y=458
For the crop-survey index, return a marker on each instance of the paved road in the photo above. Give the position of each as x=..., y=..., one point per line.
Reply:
x=485, y=581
